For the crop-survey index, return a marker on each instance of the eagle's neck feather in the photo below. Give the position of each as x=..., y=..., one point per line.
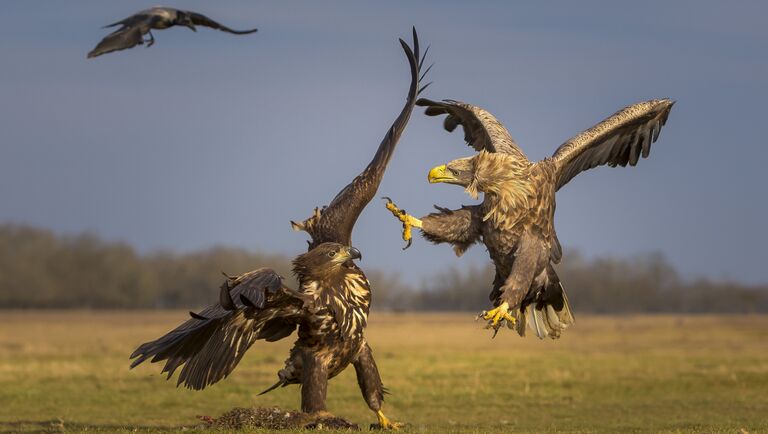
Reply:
x=505, y=181
x=347, y=297
x=349, y=286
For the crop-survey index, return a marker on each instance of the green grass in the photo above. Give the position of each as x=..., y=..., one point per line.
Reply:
x=69, y=371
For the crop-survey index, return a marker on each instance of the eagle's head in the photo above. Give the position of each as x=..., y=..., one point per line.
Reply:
x=325, y=261
x=460, y=172
x=487, y=172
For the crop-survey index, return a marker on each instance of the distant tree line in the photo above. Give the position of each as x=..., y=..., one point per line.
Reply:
x=39, y=269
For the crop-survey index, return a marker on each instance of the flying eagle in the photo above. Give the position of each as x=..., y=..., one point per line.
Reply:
x=515, y=221
x=143, y=22
x=330, y=308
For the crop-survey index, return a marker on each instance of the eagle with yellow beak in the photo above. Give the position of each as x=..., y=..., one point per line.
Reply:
x=329, y=309
x=515, y=220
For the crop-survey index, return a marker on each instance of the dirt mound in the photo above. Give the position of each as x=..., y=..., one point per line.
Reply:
x=276, y=418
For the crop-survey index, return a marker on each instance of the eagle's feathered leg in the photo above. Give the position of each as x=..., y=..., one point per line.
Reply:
x=530, y=259
x=314, y=383
x=458, y=227
x=369, y=380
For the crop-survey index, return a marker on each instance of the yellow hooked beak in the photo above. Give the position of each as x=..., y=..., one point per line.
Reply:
x=440, y=174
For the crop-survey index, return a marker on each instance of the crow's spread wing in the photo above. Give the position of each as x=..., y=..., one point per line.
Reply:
x=121, y=39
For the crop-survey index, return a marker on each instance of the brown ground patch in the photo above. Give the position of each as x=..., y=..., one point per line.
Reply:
x=275, y=418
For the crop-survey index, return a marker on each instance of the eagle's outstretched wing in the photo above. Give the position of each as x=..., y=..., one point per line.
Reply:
x=336, y=221
x=617, y=141
x=255, y=305
x=202, y=20
x=482, y=130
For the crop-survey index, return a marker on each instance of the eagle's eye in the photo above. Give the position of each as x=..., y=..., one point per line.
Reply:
x=331, y=253
x=454, y=172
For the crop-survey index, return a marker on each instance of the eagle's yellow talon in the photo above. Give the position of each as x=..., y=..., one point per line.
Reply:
x=498, y=316
x=394, y=209
x=385, y=423
x=408, y=221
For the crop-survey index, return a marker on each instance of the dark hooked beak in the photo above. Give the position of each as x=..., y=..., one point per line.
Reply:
x=354, y=253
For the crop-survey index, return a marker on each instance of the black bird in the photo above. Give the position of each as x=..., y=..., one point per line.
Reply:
x=330, y=307
x=142, y=23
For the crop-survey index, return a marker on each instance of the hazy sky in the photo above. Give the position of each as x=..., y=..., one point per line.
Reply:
x=209, y=138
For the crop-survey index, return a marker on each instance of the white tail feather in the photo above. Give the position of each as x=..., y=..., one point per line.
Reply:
x=546, y=321
x=541, y=328
x=553, y=320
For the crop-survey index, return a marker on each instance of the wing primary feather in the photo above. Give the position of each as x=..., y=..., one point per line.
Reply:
x=225, y=298
x=424, y=74
x=654, y=136
x=646, y=148
x=416, y=50
x=247, y=301
x=424, y=57
x=634, y=152
x=450, y=123
x=197, y=316
x=406, y=47
x=422, y=102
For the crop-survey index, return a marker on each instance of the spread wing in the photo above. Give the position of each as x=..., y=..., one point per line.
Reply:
x=125, y=37
x=255, y=305
x=338, y=219
x=617, y=141
x=202, y=20
x=482, y=130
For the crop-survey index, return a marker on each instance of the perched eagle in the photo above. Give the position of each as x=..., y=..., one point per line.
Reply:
x=515, y=221
x=330, y=307
x=141, y=23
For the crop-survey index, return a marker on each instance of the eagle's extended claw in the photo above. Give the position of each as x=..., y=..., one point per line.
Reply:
x=385, y=423
x=497, y=317
x=409, y=221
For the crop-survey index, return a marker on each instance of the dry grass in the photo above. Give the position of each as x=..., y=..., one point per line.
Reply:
x=69, y=371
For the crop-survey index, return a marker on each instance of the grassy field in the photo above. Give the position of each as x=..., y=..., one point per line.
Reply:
x=69, y=371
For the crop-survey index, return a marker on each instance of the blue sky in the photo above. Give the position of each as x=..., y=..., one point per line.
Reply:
x=209, y=138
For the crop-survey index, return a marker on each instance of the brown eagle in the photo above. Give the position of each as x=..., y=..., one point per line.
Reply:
x=132, y=30
x=515, y=221
x=330, y=307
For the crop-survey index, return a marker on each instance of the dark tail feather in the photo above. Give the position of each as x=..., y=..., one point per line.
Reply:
x=273, y=387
